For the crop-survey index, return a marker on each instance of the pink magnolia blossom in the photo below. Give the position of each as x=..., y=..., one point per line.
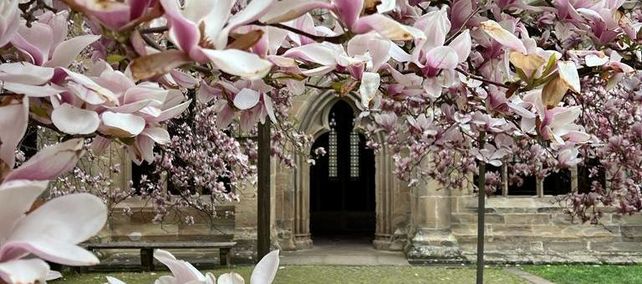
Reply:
x=208, y=44
x=43, y=42
x=50, y=232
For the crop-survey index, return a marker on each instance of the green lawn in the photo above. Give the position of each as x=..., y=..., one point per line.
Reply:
x=579, y=274
x=331, y=274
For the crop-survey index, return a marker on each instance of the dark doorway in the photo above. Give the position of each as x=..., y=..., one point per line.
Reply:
x=342, y=188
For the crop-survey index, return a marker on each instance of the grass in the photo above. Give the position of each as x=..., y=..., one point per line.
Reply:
x=330, y=274
x=578, y=274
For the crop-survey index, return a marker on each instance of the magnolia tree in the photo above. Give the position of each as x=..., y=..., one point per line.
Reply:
x=452, y=85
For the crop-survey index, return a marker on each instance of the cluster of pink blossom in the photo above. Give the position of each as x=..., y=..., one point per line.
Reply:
x=451, y=85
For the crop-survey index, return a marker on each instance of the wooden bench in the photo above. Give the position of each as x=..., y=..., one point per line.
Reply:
x=147, y=249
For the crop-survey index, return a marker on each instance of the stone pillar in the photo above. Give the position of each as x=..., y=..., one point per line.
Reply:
x=283, y=206
x=245, y=225
x=433, y=240
x=301, y=195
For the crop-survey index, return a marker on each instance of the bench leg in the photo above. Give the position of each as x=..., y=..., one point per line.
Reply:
x=225, y=256
x=147, y=259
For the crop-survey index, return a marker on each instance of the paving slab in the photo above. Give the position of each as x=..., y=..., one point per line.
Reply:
x=344, y=252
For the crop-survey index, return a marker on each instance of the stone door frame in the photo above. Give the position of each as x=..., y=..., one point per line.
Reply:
x=314, y=113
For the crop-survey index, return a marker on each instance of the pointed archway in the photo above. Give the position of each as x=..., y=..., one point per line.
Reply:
x=342, y=182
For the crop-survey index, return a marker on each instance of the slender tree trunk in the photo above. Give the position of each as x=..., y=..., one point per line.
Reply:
x=263, y=191
x=481, y=208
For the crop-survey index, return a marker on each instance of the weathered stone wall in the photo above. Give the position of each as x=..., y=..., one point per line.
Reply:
x=536, y=230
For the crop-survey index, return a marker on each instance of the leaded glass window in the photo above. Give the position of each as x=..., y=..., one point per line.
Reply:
x=332, y=150
x=354, y=154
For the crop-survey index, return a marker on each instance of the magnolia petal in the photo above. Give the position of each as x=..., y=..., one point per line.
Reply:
x=207, y=93
x=52, y=249
x=269, y=107
x=568, y=73
x=196, y=10
x=230, y=278
x=100, y=144
x=182, y=31
x=53, y=275
x=442, y=57
x=386, y=27
x=13, y=124
x=52, y=230
x=122, y=124
x=34, y=41
x=251, y=12
x=50, y=162
x=246, y=99
x=22, y=194
x=171, y=112
x=10, y=12
x=287, y=10
x=183, y=271
x=315, y=52
x=462, y=45
x=386, y=6
x=348, y=11
x=216, y=20
x=67, y=51
x=30, y=90
x=504, y=37
x=143, y=149
x=158, y=134
x=528, y=63
x=224, y=116
x=554, y=91
x=24, y=271
x=114, y=280
x=236, y=62
x=265, y=271
x=368, y=88
x=73, y=120
x=183, y=79
x=593, y=60
x=25, y=73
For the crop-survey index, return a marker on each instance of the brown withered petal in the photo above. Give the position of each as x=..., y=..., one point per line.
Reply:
x=554, y=91
x=246, y=40
x=156, y=64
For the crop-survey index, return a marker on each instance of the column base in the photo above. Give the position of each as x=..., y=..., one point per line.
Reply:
x=303, y=241
x=433, y=246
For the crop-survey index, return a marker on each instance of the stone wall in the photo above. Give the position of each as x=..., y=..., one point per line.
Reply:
x=536, y=230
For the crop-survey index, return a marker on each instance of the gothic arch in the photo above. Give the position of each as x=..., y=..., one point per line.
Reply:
x=313, y=115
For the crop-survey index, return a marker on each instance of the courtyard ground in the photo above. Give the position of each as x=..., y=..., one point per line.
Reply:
x=561, y=274
x=330, y=274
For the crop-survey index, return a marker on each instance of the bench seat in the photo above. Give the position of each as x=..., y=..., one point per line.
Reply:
x=147, y=249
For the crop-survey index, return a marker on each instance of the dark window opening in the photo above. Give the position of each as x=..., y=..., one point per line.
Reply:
x=558, y=183
x=584, y=177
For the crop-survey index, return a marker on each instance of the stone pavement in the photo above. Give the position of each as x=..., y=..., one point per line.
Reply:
x=344, y=252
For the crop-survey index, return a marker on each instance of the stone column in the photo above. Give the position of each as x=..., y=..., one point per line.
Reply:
x=245, y=225
x=432, y=240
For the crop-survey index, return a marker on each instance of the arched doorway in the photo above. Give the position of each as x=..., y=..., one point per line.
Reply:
x=342, y=182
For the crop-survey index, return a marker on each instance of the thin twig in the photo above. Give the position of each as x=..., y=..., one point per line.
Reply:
x=332, y=39
x=154, y=30
x=482, y=79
